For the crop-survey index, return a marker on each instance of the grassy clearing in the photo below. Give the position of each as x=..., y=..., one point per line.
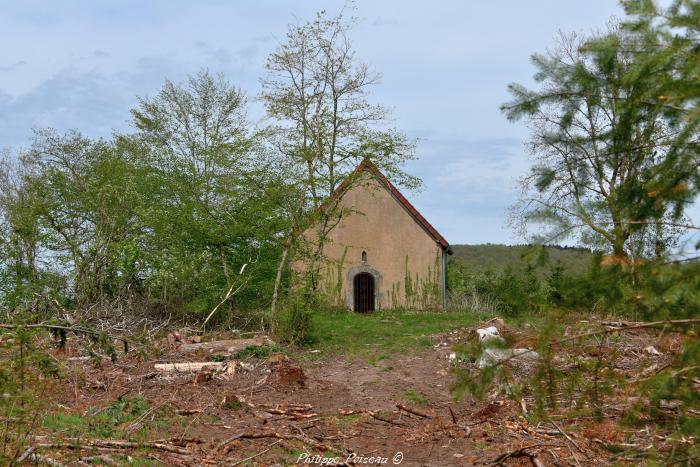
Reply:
x=382, y=334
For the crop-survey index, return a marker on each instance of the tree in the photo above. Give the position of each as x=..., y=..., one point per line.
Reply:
x=602, y=140
x=68, y=214
x=671, y=41
x=212, y=195
x=20, y=237
x=168, y=218
x=638, y=87
x=316, y=91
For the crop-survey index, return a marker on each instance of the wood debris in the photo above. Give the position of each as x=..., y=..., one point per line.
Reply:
x=188, y=367
x=228, y=347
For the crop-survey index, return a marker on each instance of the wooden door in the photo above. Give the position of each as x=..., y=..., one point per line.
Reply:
x=363, y=290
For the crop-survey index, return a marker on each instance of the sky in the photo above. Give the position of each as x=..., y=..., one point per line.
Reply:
x=445, y=66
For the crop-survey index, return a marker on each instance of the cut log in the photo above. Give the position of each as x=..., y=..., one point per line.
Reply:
x=186, y=367
x=229, y=347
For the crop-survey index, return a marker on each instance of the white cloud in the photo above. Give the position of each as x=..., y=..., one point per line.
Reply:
x=445, y=66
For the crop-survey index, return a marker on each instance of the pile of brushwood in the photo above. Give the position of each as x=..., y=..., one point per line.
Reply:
x=579, y=367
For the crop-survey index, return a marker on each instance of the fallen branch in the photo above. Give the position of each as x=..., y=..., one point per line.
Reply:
x=180, y=441
x=452, y=414
x=39, y=459
x=80, y=443
x=231, y=346
x=73, y=329
x=292, y=410
x=385, y=420
x=567, y=437
x=656, y=371
x=518, y=452
x=103, y=459
x=26, y=454
x=291, y=414
x=223, y=447
x=188, y=367
x=257, y=454
x=413, y=411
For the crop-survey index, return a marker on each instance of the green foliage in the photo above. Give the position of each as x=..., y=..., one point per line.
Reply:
x=295, y=324
x=107, y=422
x=476, y=259
x=673, y=386
x=421, y=291
x=22, y=364
x=28, y=372
x=476, y=383
x=258, y=351
x=612, y=157
x=27, y=361
x=546, y=377
x=614, y=129
x=508, y=292
x=578, y=375
x=650, y=290
x=316, y=93
x=190, y=211
x=599, y=288
x=166, y=219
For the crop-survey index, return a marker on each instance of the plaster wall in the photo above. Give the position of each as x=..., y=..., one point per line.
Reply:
x=404, y=259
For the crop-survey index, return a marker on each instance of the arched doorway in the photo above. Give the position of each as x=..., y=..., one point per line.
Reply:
x=363, y=291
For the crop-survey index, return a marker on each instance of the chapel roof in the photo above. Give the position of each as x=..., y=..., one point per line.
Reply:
x=366, y=165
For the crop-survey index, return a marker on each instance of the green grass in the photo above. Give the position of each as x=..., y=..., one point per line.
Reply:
x=349, y=420
x=382, y=334
x=413, y=396
x=108, y=422
x=258, y=351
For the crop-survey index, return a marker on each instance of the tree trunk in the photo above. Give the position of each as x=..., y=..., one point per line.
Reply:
x=278, y=280
x=620, y=235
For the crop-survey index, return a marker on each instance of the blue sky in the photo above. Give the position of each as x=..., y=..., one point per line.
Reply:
x=445, y=68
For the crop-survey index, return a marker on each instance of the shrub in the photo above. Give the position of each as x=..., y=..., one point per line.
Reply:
x=294, y=323
x=509, y=292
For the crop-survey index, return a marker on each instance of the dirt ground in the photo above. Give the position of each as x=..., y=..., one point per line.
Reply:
x=397, y=410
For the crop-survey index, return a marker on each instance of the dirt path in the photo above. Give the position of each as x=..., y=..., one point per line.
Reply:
x=346, y=405
x=341, y=386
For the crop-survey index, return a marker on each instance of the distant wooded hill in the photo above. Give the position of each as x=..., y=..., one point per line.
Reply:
x=481, y=258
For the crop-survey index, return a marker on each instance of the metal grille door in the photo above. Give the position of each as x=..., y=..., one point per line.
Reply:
x=363, y=288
